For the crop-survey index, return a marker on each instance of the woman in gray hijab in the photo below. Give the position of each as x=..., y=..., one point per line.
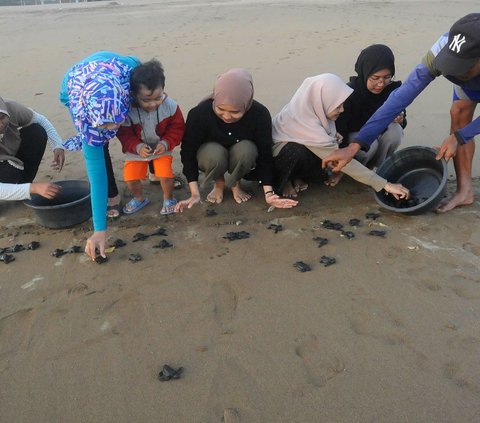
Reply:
x=23, y=137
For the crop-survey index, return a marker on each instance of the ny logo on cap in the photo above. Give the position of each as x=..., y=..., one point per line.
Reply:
x=457, y=43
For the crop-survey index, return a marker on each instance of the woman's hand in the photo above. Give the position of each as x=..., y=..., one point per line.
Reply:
x=98, y=238
x=45, y=189
x=397, y=190
x=278, y=202
x=58, y=159
x=187, y=204
x=399, y=118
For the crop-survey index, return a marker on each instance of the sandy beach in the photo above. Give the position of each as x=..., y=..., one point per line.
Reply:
x=389, y=333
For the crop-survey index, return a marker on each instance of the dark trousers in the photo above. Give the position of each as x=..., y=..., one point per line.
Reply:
x=32, y=147
x=112, y=185
x=295, y=161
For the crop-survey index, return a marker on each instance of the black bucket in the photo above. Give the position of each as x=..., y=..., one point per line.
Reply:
x=417, y=169
x=69, y=208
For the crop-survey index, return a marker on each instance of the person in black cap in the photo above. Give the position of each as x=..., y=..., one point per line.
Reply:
x=456, y=56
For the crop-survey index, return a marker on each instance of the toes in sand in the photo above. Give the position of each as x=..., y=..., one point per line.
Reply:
x=239, y=195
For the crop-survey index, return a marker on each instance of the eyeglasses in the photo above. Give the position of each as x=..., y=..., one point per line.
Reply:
x=375, y=80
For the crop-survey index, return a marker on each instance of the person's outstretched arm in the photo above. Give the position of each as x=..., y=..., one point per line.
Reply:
x=54, y=140
x=398, y=101
x=97, y=175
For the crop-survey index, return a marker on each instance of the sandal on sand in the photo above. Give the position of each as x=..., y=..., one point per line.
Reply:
x=134, y=205
x=168, y=206
x=113, y=212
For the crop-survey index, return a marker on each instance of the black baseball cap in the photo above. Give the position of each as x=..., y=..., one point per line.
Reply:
x=462, y=50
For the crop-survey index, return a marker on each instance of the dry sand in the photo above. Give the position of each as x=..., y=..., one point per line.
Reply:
x=388, y=334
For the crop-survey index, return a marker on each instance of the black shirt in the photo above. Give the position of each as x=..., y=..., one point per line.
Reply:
x=203, y=125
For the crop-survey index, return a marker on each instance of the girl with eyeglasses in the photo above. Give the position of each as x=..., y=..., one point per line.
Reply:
x=375, y=68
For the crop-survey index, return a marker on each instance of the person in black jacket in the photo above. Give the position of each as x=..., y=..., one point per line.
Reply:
x=228, y=136
x=375, y=68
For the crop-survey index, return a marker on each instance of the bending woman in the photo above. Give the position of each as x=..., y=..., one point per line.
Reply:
x=97, y=92
x=229, y=132
x=375, y=68
x=304, y=132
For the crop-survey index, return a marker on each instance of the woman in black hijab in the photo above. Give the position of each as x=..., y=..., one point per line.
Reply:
x=375, y=68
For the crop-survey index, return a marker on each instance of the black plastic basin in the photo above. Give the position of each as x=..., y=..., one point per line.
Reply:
x=69, y=208
x=417, y=169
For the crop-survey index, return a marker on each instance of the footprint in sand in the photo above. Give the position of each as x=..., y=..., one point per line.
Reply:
x=15, y=331
x=454, y=372
x=230, y=415
x=428, y=285
x=472, y=248
x=375, y=320
x=77, y=289
x=320, y=367
x=225, y=303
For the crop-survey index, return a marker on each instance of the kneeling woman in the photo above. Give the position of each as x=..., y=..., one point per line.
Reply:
x=304, y=132
x=229, y=132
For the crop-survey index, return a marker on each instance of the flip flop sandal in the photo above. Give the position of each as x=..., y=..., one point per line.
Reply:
x=168, y=207
x=114, y=212
x=134, y=205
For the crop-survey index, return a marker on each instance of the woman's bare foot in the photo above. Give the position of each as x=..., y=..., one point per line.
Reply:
x=216, y=194
x=333, y=179
x=456, y=200
x=300, y=185
x=239, y=195
x=289, y=191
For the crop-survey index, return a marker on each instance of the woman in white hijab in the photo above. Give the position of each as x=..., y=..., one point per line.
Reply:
x=304, y=132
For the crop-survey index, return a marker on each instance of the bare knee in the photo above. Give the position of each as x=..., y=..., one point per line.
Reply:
x=461, y=113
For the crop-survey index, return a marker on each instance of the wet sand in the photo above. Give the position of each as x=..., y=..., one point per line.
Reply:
x=389, y=333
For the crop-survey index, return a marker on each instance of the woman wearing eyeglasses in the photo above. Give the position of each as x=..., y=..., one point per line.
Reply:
x=375, y=68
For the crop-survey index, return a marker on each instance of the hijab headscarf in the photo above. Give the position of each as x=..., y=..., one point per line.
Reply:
x=373, y=59
x=362, y=104
x=235, y=88
x=98, y=94
x=304, y=119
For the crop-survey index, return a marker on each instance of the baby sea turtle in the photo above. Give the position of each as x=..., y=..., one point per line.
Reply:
x=58, y=252
x=168, y=373
x=74, y=249
x=348, y=234
x=135, y=257
x=100, y=259
x=275, y=228
x=378, y=233
x=118, y=243
x=159, y=232
x=139, y=237
x=302, y=267
x=328, y=224
x=372, y=215
x=6, y=258
x=354, y=222
x=232, y=236
x=15, y=248
x=163, y=244
x=33, y=245
x=320, y=241
x=327, y=261
x=211, y=212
